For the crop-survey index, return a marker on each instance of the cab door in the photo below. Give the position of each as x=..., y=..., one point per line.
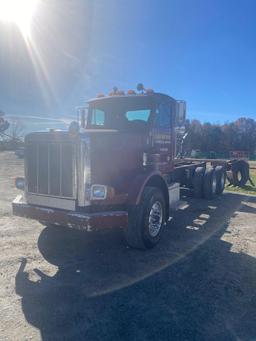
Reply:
x=161, y=132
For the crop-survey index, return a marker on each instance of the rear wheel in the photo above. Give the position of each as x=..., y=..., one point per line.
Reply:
x=240, y=173
x=209, y=183
x=221, y=179
x=198, y=182
x=146, y=221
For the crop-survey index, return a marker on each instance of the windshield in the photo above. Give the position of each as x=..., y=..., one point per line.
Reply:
x=120, y=113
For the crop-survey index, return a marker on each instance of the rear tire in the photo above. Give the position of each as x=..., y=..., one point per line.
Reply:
x=146, y=220
x=209, y=183
x=240, y=172
x=230, y=177
x=198, y=182
x=221, y=179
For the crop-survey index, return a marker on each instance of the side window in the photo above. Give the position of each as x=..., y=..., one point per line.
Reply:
x=163, y=116
x=98, y=117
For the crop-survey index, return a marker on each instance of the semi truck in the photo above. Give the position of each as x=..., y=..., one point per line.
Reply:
x=117, y=167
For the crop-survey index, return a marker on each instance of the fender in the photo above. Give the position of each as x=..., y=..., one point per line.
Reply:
x=136, y=189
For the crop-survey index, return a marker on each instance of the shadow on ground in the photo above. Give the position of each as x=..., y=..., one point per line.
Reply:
x=190, y=287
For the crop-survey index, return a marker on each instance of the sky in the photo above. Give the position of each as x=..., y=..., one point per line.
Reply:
x=202, y=51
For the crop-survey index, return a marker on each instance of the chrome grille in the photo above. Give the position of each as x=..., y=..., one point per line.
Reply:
x=50, y=168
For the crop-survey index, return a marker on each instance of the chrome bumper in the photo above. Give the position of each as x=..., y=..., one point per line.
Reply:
x=73, y=219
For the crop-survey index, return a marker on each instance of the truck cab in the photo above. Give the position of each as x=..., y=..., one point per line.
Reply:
x=112, y=170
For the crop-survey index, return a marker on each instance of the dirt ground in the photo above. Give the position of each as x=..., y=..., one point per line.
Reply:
x=199, y=283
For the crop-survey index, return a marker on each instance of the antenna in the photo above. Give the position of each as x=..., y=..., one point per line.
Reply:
x=140, y=87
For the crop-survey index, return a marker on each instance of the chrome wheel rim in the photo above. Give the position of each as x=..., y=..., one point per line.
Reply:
x=214, y=183
x=155, y=219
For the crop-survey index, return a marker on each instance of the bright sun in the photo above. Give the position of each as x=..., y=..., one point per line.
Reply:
x=19, y=12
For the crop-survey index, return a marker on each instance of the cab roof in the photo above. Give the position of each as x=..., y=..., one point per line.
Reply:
x=156, y=96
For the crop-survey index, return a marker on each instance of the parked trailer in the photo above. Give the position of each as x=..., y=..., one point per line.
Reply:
x=117, y=169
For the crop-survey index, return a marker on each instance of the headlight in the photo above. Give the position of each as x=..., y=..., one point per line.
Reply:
x=98, y=192
x=20, y=183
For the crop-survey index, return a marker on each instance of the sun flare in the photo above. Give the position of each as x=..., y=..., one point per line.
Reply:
x=19, y=12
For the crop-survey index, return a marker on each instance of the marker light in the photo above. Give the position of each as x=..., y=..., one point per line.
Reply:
x=116, y=92
x=131, y=92
x=149, y=91
x=100, y=95
x=20, y=183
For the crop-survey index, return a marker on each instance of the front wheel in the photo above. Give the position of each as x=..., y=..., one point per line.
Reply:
x=146, y=221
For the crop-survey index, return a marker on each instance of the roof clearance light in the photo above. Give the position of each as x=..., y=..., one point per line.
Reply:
x=131, y=92
x=100, y=95
x=116, y=92
x=149, y=91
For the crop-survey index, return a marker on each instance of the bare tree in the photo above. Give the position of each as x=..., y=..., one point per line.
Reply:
x=12, y=138
x=16, y=130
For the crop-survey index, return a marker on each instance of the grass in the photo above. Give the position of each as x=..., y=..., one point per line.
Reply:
x=248, y=188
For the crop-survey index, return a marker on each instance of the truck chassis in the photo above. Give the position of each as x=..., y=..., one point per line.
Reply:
x=183, y=174
x=118, y=169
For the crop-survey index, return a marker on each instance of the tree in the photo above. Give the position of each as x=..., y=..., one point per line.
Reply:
x=207, y=137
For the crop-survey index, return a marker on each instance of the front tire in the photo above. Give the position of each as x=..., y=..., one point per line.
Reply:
x=146, y=221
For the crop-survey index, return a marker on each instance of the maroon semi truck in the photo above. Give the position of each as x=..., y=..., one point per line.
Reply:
x=115, y=169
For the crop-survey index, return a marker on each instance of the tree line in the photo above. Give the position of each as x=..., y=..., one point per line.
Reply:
x=221, y=138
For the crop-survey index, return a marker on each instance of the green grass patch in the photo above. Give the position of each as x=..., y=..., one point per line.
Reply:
x=248, y=188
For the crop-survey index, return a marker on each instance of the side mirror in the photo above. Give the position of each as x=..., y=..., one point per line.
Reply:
x=180, y=113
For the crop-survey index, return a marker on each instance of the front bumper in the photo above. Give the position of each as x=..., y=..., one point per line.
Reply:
x=73, y=219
